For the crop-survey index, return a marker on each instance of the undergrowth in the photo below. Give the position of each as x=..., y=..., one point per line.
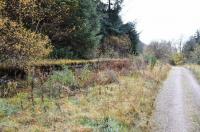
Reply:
x=195, y=69
x=107, y=101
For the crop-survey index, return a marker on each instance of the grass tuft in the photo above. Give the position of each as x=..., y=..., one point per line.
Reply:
x=124, y=103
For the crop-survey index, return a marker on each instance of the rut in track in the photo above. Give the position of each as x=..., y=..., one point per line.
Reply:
x=178, y=103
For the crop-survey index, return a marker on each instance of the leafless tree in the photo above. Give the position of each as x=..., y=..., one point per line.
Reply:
x=160, y=49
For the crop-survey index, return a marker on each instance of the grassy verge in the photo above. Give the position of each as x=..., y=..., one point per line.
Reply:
x=123, y=106
x=195, y=69
x=195, y=115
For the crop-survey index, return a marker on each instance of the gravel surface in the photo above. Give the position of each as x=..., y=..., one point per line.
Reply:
x=178, y=103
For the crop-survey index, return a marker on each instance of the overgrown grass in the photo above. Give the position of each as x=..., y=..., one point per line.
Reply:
x=126, y=105
x=60, y=62
x=195, y=69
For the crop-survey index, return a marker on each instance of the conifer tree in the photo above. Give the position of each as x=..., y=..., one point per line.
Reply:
x=85, y=38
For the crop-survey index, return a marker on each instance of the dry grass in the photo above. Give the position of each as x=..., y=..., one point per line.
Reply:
x=123, y=106
x=62, y=62
x=195, y=69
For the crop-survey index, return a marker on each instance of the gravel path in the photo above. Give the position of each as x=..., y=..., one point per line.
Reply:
x=178, y=103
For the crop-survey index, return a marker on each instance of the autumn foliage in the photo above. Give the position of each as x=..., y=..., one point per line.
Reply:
x=19, y=44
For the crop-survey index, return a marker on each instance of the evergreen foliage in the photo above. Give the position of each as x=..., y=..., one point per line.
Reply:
x=112, y=25
x=85, y=40
x=129, y=29
x=76, y=28
x=191, y=48
x=72, y=25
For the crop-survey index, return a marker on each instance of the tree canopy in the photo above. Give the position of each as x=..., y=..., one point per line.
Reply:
x=191, y=48
x=18, y=44
x=75, y=28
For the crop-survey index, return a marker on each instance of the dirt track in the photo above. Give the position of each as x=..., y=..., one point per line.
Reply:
x=178, y=103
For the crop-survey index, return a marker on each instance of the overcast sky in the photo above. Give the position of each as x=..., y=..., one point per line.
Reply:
x=163, y=19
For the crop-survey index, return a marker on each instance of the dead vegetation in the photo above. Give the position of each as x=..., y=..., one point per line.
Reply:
x=119, y=98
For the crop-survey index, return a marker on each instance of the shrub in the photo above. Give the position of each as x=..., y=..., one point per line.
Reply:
x=8, y=89
x=162, y=50
x=62, y=53
x=2, y=5
x=195, y=55
x=85, y=77
x=65, y=77
x=102, y=78
x=18, y=44
x=59, y=82
x=111, y=125
x=116, y=46
x=177, y=59
x=7, y=109
x=151, y=60
x=110, y=77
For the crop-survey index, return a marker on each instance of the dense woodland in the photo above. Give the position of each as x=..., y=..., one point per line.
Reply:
x=76, y=29
x=191, y=49
x=58, y=29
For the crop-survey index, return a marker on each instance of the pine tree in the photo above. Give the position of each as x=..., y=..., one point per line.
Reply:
x=111, y=20
x=129, y=29
x=112, y=25
x=85, y=38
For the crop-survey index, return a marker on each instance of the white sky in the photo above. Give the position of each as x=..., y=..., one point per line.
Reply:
x=163, y=19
